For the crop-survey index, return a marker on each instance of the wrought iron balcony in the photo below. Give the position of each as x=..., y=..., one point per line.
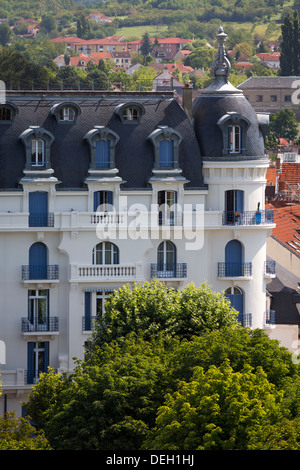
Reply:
x=41, y=220
x=270, y=268
x=50, y=324
x=248, y=217
x=45, y=272
x=169, y=270
x=226, y=269
x=245, y=319
x=269, y=319
x=88, y=323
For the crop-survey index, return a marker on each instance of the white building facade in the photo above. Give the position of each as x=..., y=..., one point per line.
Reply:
x=104, y=189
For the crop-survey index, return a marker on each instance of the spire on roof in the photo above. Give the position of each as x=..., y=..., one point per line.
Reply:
x=221, y=67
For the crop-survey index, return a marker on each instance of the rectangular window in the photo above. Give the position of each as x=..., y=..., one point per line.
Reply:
x=38, y=360
x=234, y=139
x=259, y=98
x=102, y=154
x=5, y=114
x=38, y=309
x=166, y=154
x=287, y=98
x=67, y=114
x=37, y=152
x=273, y=98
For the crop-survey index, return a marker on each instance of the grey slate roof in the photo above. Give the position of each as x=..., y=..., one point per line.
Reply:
x=284, y=296
x=208, y=108
x=268, y=82
x=70, y=155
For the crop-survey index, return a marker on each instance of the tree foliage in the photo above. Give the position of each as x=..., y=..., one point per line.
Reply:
x=153, y=307
x=290, y=45
x=218, y=390
x=283, y=124
x=19, y=434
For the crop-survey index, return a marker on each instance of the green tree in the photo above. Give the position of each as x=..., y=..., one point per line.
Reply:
x=48, y=23
x=290, y=45
x=146, y=46
x=153, y=307
x=283, y=124
x=5, y=34
x=83, y=27
x=216, y=390
x=201, y=58
x=19, y=434
x=215, y=410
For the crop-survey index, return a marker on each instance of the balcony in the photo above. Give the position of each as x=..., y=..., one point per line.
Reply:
x=269, y=318
x=226, y=269
x=106, y=272
x=169, y=270
x=245, y=319
x=88, y=323
x=41, y=220
x=40, y=272
x=248, y=217
x=50, y=325
x=270, y=268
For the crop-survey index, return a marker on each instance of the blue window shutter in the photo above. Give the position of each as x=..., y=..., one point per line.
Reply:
x=239, y=201
x=96, y=200
x=46, y=356
x=38, y=209
x=38, y=261
x=237, y=301
x=233, y=258
x=101, y=197
x=110, y=198
x=166, y=153
x=102, y=154
x=87, y=311
x=30, y=362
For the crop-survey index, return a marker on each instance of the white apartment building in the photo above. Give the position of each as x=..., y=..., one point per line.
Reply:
x=102, y=189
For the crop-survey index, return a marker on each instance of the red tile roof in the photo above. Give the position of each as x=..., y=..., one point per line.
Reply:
x=271, y=176
x=287, y=229
x=289, y=178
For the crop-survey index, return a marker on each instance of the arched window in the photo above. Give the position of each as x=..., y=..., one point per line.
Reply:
x=106, y=253
x=130, y=113
x=38, y=261
x=236, y=297
x=234, y=258
x=166, y=259
x=66, y=112
x=8, y=112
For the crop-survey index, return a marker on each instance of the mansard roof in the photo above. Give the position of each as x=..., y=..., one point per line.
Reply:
x=70, y=153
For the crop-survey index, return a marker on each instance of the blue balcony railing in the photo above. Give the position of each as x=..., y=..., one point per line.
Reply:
x=41, y=220
x=88, y=323
x=47, y=272
x=245, y=319
x=248, y=217
x=269, y=318
x=234, y=269
x=49, y=324
x=270, y=267
x=168, y=270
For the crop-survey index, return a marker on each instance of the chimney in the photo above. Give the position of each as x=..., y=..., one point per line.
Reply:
x=187, y=100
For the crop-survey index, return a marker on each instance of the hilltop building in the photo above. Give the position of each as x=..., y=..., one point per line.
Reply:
x=106, y=188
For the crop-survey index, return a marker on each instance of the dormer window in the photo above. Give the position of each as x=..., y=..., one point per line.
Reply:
x=37, y=142
x=37, y=152
x=102, y=142
x=166, y=142
x=66, y=112
x=7, y=113
x=234, y=127
x=130, y=113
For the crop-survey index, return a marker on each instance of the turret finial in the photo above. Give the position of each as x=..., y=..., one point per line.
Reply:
x=221, y=66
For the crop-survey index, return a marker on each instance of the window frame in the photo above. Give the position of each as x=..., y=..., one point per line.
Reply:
x=39, y=134
x=13, y=112
x=234, y=120
x=122, y=109
x=97, y=134
x=101, y=250
x=59, y=108
x=165, y=133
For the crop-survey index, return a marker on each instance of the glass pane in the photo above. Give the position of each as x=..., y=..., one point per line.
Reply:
x=166, y=153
